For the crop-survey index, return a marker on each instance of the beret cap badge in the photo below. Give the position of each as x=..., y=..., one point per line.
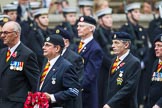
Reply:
x=115, y=36
x=48, y=39
x=81, y=19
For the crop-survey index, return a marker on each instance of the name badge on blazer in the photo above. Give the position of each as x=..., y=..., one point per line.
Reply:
x=16, y=65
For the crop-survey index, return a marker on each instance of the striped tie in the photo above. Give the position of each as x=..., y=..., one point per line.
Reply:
x=115, y=65
x=8, y=55
x=80, y=46
x=45, y=71
x=159, y=67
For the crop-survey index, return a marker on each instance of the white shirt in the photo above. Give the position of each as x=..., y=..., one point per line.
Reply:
x=123, y=57
x=86, y=41
x=14, y=48
x=52, y=62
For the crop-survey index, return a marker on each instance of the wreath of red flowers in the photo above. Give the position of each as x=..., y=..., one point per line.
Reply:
x=36, y=100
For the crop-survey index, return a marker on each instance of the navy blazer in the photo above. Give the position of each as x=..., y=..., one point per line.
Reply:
x=58, y=82
x=92, y=55
x=15, y=84
x=76, y=60
x=155, y=94
x=124, y=95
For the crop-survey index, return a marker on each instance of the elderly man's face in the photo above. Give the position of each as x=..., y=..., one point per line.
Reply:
x=84, y=30
x=158, y=49
x=119, y=47
x=8, y=35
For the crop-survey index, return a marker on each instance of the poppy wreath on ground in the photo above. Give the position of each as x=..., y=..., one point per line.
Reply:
x=36, y=100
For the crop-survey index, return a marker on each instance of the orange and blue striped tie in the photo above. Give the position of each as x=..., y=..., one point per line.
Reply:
x=8, y=55
x=45, y=71
x=80, y=46
x=159, y=67
x=114, y=65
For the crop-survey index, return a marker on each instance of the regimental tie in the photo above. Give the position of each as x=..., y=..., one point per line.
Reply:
x=115, y=65
x=159, y=67
x=8, y=55
x=80, y=46
x=45, y=71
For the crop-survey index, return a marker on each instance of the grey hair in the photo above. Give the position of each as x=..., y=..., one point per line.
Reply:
x=17, y=27
x=129, y=42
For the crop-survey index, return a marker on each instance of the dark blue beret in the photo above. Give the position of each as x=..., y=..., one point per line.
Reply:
x=87, y=19
x=64, y=33
x=56, y=40
x=121, y=36
x=158, y=38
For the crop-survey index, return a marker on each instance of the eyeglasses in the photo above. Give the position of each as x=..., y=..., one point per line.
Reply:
x=6, y=32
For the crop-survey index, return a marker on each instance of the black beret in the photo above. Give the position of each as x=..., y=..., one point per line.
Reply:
x=62, y=32
x=87, y=19
x=121, y=36
x=56, y=40
x=158, y=38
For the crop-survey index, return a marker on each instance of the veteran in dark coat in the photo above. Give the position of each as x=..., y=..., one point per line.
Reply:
x=124, y=74
x=92, y=54
x=19, y=71
x=59, y=81
x=73, y=58
x=140, y=45
x=155, y=94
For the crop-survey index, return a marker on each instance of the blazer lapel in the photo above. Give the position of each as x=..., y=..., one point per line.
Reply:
x=86, y=47
x=17, y=50
x=53, y=70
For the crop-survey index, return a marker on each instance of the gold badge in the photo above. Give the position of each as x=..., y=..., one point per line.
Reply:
x=5, y=19
x=57, y=31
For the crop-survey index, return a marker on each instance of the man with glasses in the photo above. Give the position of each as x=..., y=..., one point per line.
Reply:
x=19, y=71
x=58, y=79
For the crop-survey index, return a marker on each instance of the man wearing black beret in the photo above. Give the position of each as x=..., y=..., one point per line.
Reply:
x=59, y=79
x=124, y=74
x=73, y=58
x=155, y=94
x=92, y=54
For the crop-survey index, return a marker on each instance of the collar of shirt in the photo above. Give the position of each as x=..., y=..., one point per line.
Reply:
x=14, y=48
x=87, y=40
x=53, y=61
x=123, y=56
x=160, y=60
x=63, y=51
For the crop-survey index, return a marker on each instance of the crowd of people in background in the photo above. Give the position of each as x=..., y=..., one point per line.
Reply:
x=83, y=62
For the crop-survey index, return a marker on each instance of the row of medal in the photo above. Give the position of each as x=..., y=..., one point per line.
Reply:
x=157, y=76
x=15, y=65
x=120, y=78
